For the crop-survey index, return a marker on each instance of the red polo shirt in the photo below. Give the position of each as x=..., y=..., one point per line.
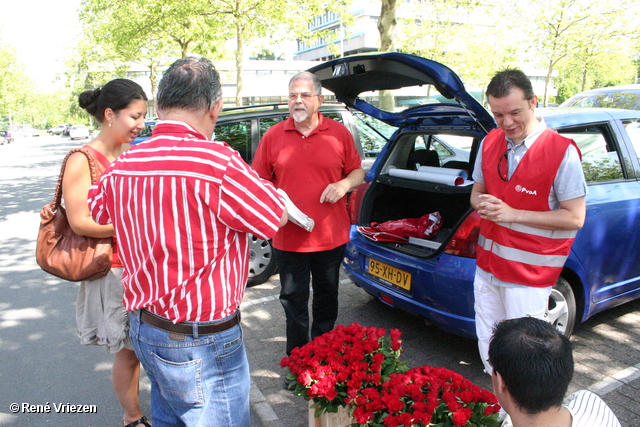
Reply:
x=303, y=167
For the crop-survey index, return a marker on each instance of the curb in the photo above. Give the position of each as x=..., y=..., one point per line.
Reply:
x=616, y=380
x=262, y=408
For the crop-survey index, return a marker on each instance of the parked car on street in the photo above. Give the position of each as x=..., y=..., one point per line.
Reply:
x=6, y=137
x=433, y=278
x=626, y=96
x=57, y=130
x=145, y=133
x=79, y=132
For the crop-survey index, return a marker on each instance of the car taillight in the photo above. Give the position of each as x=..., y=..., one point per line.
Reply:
x=354, y=203
x=464, y=242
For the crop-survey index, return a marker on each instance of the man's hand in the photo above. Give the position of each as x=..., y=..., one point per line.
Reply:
x=570, y=216
x=334, y=192
x=337, y=190
x=494, y=209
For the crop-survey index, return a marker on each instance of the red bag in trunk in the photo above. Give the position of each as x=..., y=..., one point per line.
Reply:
x=425, y=227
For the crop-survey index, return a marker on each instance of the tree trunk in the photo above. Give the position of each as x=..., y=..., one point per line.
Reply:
x=387, y=26
x=387, y=29
x=547, y=79
x=154, y=81
x=239, y=53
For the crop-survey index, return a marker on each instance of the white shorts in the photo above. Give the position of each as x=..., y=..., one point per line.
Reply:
x=494, y=303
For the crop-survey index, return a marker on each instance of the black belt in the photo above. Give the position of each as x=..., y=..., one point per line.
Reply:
x=187, y=328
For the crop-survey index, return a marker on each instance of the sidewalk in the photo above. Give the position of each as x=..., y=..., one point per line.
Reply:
x=606, y=352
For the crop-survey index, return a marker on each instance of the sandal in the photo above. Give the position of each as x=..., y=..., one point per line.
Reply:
x=142, y=421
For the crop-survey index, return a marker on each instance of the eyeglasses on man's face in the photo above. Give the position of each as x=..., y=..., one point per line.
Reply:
x=305, y=96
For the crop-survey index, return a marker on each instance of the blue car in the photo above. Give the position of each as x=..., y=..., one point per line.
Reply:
x=146, y=132
x=433, y=277
x=627, y=97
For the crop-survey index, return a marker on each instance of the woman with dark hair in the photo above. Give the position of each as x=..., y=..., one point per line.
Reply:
x=120, y=106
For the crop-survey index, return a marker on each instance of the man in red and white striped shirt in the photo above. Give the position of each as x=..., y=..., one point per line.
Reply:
x=182, y=207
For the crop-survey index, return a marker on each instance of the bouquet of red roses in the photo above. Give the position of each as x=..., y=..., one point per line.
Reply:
x=425, y=396
x=334, y=367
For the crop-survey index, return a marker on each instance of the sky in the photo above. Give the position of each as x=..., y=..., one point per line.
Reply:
x=41, y=32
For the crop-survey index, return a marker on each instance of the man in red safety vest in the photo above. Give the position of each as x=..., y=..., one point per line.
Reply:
x=530, y=192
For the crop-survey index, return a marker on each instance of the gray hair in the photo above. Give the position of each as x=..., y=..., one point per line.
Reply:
x=190, y=84
x=305, y=75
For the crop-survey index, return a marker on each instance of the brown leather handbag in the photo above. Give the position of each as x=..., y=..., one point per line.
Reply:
x=63, y=253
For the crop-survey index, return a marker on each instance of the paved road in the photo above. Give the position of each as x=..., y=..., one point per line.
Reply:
x=42, y=362
x=606, y=350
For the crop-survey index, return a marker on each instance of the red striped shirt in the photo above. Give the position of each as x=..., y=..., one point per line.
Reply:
x=181, y=207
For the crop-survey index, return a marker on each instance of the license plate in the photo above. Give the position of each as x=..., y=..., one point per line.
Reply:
x=389, y=274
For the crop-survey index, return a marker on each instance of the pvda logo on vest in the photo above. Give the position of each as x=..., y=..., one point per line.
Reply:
x=520, y=189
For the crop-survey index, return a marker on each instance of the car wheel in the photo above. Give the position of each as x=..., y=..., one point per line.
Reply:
x=262, y=261
x=562, y=307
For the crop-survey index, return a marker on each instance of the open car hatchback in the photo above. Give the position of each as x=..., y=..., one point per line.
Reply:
x=426, y=167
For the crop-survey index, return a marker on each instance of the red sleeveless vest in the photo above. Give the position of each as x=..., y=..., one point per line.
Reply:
x=520, y=253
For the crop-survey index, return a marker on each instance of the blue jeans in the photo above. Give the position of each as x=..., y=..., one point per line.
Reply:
x=201, y=381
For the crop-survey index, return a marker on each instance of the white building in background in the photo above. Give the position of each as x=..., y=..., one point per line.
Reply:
x=363, y=36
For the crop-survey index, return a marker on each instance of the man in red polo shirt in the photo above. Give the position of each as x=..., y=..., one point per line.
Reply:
x=182, y=207
x=314, y=160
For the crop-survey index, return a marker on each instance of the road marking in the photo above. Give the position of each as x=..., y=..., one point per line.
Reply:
x=616, y=380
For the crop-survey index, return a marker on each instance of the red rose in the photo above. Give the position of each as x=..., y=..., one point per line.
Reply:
x=405, y=419
x=391, y=421
x=461, y=416
x=393, y=403
x=423, y=417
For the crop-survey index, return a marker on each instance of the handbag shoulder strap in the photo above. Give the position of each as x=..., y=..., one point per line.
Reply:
x=99, y=156
x=57, y=195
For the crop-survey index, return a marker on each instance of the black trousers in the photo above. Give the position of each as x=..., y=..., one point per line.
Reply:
x=297, y=270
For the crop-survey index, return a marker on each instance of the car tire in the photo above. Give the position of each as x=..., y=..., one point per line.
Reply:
x=262, y=261
x=562, y=307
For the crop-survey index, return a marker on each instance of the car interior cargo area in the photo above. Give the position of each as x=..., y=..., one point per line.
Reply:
x=423, y=174
x=400, y=199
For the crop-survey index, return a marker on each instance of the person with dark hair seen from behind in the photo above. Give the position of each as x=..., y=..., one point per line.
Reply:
x=183, y=206
x=120, y=106
x=314, y=160
x=532, y=368
x=529, y=190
